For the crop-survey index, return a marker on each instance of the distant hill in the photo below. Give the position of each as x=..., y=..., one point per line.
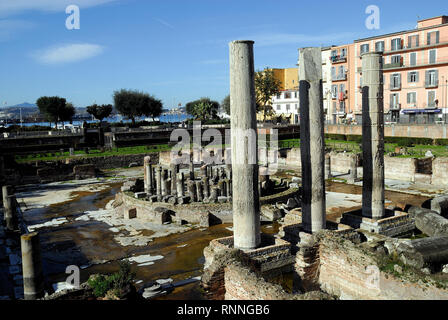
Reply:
x=21, y=105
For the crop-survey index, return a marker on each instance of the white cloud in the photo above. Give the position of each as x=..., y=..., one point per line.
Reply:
x=166, y=24
x=68, y=53
x=9, y=7
x=9, y=27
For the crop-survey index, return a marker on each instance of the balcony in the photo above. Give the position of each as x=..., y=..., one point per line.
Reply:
x=432, y=84
x=395, y=87
x=338, y=59
x=393, y=65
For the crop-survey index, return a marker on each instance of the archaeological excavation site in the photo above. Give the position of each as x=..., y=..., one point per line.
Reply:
x=244, y=220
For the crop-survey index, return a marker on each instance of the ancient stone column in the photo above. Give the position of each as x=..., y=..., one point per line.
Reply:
x=353, y=174
x=228, y=171
x=373, y=136
x=229, y=187
x=33, y=278
x=163, y=186
x=191, y=166
x=148, y=177
x=9, y=208
x=204, y=170
x=180, y=184
x=199, y=193
x=159, y=180
x=206, y=187
x=327, y=166
x=214, y=193
x=246, y=204
x=222, y=188
x=174, y=172
x=312, y=146
x=191, y=187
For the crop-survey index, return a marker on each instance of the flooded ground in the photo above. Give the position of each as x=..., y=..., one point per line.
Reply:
x=92, y=245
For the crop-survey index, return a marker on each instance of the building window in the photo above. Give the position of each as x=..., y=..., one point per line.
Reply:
x=412, y=98
x=379, y=46
x=432, y=38
x=343, y=52
x=395, y=44
x=341, y=73
x=297, y=106
x=394, y=101
x=432, y=78
x=413, y=58
x=431, y=99
x=295, y=95
x=395, y=81
x=287, y=95
x=278, y=107
x=395, y=59
x=432, y=56
x=413, y=76
x=334, y=53
x=279, y=95
x=364, y=48
x=334, y=91
x=288, y=107
x=413, y=41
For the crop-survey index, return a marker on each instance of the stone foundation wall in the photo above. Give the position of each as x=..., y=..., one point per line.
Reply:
x=111, y=162
x=293, y=158
x=340, y=162
x=350, y=272
x=242, y=284
x=432, y=131
x=222, y=212
x=440, y=171
x=403, y=169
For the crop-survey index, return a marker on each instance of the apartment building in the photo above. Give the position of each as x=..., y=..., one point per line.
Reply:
x=415, y=65
x=286, y=102
x=341, y=110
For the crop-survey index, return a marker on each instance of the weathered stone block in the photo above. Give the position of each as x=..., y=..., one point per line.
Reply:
x=84, y=171
x=204, y=219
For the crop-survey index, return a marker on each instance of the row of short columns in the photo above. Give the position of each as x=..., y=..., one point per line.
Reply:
x=171, y=185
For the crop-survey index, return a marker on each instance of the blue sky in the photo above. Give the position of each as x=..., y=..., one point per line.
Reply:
x=176, y=50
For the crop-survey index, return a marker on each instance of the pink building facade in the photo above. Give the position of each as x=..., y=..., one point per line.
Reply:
x=415, y=64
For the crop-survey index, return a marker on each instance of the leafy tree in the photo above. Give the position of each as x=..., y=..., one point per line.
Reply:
x=68, y=112
x=133, y=103
x=266, y=86
x=152, y=107
x=100, y=112
x=225, y=104
x=203, y=109
x=55, y=109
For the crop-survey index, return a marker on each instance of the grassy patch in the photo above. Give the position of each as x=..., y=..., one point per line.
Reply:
x=114, y=284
